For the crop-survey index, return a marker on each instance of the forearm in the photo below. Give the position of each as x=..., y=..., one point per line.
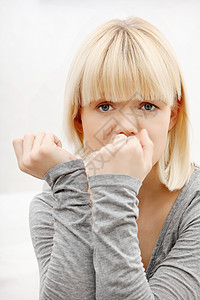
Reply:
x=69, y=272
x=117, y=260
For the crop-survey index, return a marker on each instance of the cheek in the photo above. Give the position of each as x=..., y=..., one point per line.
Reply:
x=97, y=131
x=92, y=135
x=159, y=139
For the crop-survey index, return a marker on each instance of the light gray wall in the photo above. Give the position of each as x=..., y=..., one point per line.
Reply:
x=38, y=39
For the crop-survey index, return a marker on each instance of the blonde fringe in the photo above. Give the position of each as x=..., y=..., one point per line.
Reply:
x=125, y=60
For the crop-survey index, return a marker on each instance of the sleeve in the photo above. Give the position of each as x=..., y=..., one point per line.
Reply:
x=117, y=258
x=60, y=226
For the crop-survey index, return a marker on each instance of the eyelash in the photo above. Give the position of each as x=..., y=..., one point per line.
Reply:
x=103, y=105
x=141, y=105
x=147, y=103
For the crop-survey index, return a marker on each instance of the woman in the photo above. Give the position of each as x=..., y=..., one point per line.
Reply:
x=126, y=115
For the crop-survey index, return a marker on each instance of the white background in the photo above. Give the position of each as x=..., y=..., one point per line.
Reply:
x=38, y=39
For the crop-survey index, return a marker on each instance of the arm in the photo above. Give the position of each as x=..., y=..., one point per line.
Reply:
x=117, y=259
x=60, y=225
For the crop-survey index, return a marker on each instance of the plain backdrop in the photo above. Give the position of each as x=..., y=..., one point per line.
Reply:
x=38, y=39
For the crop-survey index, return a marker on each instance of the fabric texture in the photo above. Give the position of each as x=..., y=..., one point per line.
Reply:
x=91, y=251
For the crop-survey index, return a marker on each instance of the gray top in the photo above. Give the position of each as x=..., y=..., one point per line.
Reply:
x=92, y=252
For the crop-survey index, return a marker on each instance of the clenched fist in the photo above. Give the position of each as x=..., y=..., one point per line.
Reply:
x=36, y=154
x=131, y=155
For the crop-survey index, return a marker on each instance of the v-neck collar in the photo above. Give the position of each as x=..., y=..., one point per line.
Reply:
x=177, y=205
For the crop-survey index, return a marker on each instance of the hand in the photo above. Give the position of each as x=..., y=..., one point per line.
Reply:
x=36, y=154
x=130, y=156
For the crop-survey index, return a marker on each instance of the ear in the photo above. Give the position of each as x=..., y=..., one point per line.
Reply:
x=78, y=123
x=173, y=117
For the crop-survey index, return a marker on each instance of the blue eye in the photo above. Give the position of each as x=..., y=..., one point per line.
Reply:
x=148, y=107
x=105, y=107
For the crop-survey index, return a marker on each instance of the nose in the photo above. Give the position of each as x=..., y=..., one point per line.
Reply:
x=127, y=125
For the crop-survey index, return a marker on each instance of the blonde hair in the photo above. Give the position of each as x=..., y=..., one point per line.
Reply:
x=126, y=59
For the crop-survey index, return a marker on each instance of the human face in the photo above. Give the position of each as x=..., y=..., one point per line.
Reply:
x=102, y=120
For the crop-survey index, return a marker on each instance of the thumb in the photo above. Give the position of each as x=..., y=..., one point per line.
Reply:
x=52, y=139
x=147, y=145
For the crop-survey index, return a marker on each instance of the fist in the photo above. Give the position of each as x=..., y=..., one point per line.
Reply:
x=131, y=156
x=36, y=154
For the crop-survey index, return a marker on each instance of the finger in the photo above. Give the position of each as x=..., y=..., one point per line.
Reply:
x=147, y=145
x=18, y=148
x=51, y=139
x=133, y=139
x=120, y=138
x=28, y=141
x=38, y=141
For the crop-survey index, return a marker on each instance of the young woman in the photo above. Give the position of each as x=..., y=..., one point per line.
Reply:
x=120, y=218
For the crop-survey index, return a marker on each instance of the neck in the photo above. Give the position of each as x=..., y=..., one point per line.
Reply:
x=152, y=186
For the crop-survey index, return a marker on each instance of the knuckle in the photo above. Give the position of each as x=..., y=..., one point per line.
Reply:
x=15, y=141
x=26, y=162
x=118, y=146
x=21, y=166
x=43, y=151
x=42, y=133
x=49, y=133
x=151, y=143
x=104, y=150
x=28, y=134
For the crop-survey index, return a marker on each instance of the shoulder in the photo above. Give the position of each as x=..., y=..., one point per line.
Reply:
x=44, y=198
x=41, y=207
x=194, y=181
x=191, y=189
x=191, y=198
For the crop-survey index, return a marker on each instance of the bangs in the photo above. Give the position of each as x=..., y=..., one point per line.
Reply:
x=125, y=60
x=127, y=63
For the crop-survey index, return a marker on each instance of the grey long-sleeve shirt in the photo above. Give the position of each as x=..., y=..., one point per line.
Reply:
x=87, y=252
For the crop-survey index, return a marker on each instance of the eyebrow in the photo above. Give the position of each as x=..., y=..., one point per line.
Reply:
x=95, y=102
